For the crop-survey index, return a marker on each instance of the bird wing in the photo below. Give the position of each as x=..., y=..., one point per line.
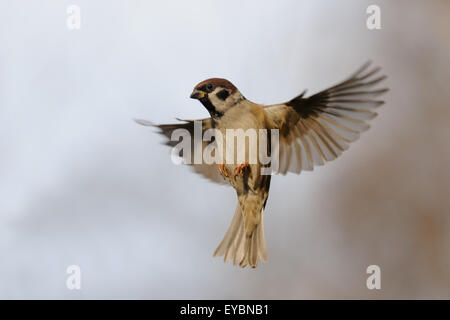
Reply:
x=209, y=171
x=319, y=128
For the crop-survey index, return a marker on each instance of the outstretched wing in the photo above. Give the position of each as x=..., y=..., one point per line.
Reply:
x=318, y=129
x=208, y=171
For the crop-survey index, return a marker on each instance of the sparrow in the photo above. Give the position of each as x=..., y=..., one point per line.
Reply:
x=312, y=131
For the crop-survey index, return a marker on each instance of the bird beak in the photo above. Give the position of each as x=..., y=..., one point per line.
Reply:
x=197, y=94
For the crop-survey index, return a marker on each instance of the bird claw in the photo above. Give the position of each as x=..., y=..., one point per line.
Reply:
x=223, y=171
x=240, y=169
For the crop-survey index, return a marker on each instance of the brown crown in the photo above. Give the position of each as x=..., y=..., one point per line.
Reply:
x=217, y=82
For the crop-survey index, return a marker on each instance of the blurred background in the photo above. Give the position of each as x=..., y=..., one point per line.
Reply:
x=82, y=184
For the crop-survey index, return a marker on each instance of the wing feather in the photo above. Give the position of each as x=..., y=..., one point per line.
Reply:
x=209, y=171
x=319, y=128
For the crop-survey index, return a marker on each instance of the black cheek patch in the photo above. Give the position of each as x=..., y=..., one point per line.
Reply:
x=222, y=95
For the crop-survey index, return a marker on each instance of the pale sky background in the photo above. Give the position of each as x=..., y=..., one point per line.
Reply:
x=82, y=184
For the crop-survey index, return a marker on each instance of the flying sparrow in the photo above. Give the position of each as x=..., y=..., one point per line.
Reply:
x=312, y=130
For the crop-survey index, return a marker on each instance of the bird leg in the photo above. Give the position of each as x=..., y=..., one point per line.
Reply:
x=223, y=171
x=240, y=169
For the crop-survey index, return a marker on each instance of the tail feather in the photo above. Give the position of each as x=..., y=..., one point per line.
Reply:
x=225, y=247
x=243, y=250
x=238, y=254
x=262, y=239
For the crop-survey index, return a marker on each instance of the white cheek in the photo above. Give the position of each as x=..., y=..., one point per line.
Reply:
x=218, y=103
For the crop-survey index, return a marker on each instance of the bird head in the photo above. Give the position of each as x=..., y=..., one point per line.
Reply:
x=217, y=96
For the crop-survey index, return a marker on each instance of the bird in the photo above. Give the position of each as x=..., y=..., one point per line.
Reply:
x=311, y=131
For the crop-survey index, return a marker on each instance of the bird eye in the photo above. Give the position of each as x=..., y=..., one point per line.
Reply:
x=209, y=87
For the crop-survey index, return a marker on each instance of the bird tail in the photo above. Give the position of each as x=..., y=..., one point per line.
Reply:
x=242, y=249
